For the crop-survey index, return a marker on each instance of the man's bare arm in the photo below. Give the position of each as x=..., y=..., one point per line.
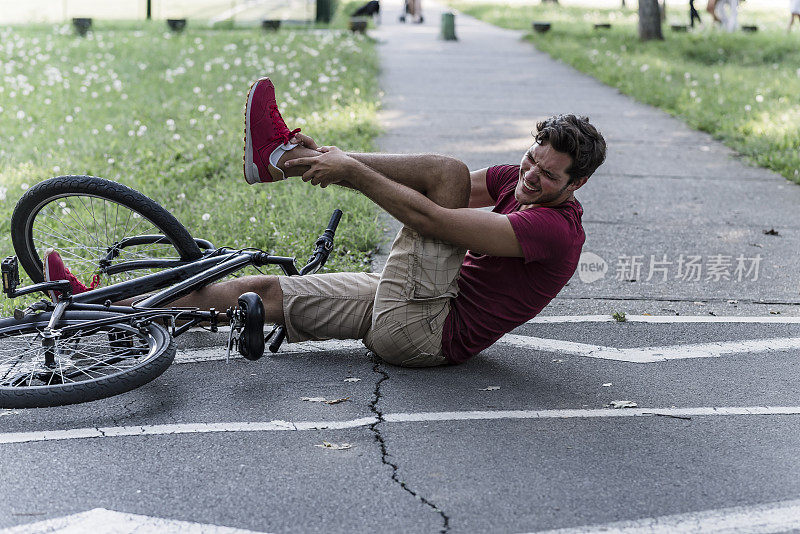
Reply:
x=478, y=230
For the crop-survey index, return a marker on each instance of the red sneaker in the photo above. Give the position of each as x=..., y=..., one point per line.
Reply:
x=54, y=269
x=264, y=132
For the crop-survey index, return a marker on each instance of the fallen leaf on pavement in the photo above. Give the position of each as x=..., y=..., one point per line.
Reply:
x=352, y=379
x=607, y=384
x=490, y=388
x=336, y=401
x=335, y=446
x=622, y=404
x=324, y=400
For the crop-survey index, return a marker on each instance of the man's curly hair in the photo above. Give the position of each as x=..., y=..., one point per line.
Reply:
x=574, y=136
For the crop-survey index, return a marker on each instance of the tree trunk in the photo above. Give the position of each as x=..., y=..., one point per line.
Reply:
x=550, y=1
x=649, y=20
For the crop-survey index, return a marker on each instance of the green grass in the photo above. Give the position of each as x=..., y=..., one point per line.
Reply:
x=742, y=88
x=163, y=113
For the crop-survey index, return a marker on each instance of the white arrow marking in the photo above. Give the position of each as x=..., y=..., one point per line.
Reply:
x=289, y=426
x=663, y=319
x=109, y=521
x=759, y=519
x=653, y=354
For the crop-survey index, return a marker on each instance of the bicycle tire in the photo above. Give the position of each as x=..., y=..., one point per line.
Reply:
x=108, y=352
x=61, y=188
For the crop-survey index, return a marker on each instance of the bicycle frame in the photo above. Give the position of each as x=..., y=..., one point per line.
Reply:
x=179, y=279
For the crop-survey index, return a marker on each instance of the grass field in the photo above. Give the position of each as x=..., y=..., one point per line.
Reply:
x=163, y=113
x=743, y=88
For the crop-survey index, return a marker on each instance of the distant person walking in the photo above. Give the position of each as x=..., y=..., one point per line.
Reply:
x=794, y=11
x=693, y=14
x=711, y=7
x=728, y=12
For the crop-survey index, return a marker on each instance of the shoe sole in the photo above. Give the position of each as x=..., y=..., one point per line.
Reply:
x=52, y=293
x=249, y=168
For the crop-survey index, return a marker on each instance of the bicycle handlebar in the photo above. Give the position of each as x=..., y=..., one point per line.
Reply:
x=322, y=250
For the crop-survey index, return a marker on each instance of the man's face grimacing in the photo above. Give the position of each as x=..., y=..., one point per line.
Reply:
x=543, y=180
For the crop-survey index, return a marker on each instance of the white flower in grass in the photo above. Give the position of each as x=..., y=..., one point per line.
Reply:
x=60, y=141
x=65, y=211
x=68, y=118
x=111, y=161
x=252, y=219
x=759, y=98
x=192, y=122
x=747, y=107
x=20, y=115
x=131, y=133
x=3, y=194
x=95, y=131
x=217, y=116
x=692, y=94
x=209, y=137
x=109, y=128
x=181, y=196
x=200, y=146
x=94, y=94
x=24, y=186
x=196, y=90
x=206, y=216
x=201, y=108
x=56, y=169
x=170, y=124
x=323, y=79
x=644, y=68
x=176, y=137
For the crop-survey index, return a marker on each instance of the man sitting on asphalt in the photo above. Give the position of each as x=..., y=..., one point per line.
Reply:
x=457, y=278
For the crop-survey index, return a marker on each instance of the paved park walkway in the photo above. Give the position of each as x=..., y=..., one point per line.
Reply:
x=677, y=218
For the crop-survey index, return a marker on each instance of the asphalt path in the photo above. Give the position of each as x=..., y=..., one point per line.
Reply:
x=526, y=437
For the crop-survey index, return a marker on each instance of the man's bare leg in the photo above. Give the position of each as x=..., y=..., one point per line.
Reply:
x=442, y=179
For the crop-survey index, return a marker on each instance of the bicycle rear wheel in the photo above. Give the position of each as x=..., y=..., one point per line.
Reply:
x=90, y=221
x=81, y=365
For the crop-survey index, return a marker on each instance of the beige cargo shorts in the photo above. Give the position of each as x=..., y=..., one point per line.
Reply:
x=399, y=314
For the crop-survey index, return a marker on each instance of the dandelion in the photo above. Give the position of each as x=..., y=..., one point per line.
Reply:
x=60, y=141
x=192, y=122
x=111, y=161
x=196, y=90
x=3, y=194
x=20, y=115
x=176, y=137
x=24, y=186
x=109, y=128
x=644, y=68
x=56, y=169
x=201, y=108
x=747, y=107
x=200, y=146
x=68, y=118
x=252, y=219
x=206, y=216
x=759, y=98
x=181, y=196
x=170, y=124
x=217, y=116
x=209, y=137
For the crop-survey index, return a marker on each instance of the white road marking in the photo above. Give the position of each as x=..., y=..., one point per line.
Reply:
x=653, y=354
x=109, y=521
x=283, y=426
x=758, y=519
x=634, y=355
x=218, y=353
x=664, y=319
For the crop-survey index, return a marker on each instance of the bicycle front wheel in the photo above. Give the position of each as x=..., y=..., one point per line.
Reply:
x=99, y=227
x=79, y=365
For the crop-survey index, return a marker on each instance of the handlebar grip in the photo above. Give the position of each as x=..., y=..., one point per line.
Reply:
x=278, y=337
x=334, y=222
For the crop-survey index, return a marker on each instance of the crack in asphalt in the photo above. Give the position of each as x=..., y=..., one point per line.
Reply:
x=373, y=406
